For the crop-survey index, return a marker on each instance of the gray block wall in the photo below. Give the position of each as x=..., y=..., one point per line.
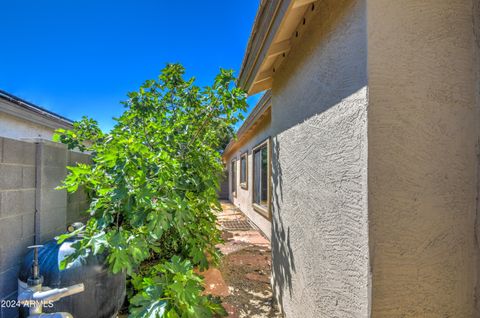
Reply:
x=17, y=212
x=78, y=202
x=29, y=173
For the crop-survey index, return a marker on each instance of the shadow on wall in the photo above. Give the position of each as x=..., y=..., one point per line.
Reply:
x=326, y=68
x=283, y=264
x=319, y=116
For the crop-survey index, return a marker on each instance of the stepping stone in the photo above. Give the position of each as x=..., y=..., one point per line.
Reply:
x=214, y=283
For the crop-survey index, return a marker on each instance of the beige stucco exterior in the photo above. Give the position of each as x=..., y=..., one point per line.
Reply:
x=21, y=119
x=375, y=117
x=17, y=128
x=476, y=27
x=422, y=158
x=244, y=196
x=319, y=226
x=319, y=128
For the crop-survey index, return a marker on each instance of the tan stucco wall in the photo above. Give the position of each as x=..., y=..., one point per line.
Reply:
x=319, y=129
x=476, y=24
x=17, y=128
x=376, y=170
x=422, y=167
x=244, y=197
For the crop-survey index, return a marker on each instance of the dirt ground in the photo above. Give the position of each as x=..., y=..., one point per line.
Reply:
x=243, y=277
x=242, y=280
x=249, y=285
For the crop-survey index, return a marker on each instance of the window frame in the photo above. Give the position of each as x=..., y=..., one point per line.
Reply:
x=262, y=210
x=244, y=185
x=233, y=181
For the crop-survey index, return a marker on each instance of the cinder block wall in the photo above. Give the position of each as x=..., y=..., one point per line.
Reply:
x=51, y=163
x=29, y=173
x=17, y=211
x=78, y=202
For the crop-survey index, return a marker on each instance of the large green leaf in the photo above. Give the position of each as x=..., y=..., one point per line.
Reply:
x=153, y=182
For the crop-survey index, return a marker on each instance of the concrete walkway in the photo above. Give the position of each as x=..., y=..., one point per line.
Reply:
x=243, y=278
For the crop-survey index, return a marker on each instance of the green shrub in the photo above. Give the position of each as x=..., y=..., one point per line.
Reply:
x=153, y=182
x=172, y=289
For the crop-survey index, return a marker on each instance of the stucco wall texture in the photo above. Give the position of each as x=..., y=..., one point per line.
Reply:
x=476, y=26
x=244, y=197
x=16, y=128
x=376, y=162
x=319, y=168
x=422, y=161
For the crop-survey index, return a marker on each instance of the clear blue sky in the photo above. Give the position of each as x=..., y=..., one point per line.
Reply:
x=80, y=57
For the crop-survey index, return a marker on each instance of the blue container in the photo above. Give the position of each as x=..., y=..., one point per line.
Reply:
x=104, y=292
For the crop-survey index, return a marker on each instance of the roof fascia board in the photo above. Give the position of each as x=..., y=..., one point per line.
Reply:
x=263, y=104
x=266, y=28
x=20, y=112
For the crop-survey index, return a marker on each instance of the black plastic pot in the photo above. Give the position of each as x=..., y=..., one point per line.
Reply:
x=104, y=292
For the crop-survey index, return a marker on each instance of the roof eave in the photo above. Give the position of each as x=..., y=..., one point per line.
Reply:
x=275, y=27
x=20, y=108
x=254, y=116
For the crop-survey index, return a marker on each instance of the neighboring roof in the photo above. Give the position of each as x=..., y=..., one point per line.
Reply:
x=21, y=108
x=277, y=26
x=251, y=121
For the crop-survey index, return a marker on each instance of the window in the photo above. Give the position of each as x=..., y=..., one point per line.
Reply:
x=244, y=171
x=233, y=171
x=261, y=178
